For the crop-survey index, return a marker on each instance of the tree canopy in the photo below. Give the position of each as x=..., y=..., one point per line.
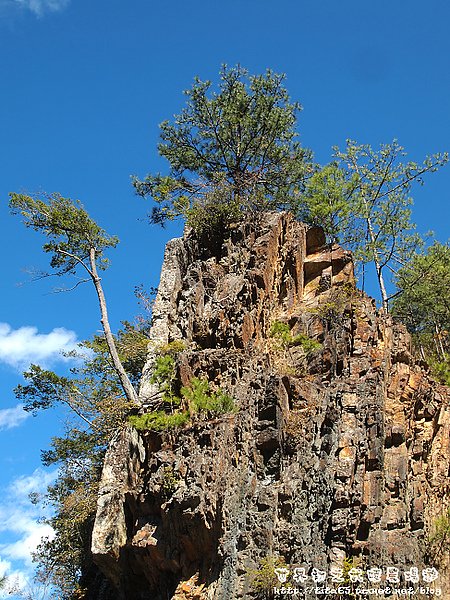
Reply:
x=240, y=139
x=71, y=232
x=235, y=149
x=363, y=201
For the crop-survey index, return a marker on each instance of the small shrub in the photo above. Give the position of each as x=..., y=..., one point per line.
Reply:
x=170, y=482
x=440, y=370
x=159, y=420
x=264, y=579
x=165, y=376
x=282, y=333
x=165, y=371
x=349, y=563
x=351, y=568
x=172, y=348
x=308, y=344
x=204, y=401
x=441, y=527
x=213, y=219
x=440, y=537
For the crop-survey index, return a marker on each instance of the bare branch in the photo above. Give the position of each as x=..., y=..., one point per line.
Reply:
x=61, y=290
x=76, y=259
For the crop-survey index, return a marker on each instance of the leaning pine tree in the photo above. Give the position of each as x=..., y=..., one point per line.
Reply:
x=75, y=242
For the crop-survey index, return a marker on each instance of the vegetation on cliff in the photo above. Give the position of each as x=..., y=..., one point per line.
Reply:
x=232, y=153
x=363, y=201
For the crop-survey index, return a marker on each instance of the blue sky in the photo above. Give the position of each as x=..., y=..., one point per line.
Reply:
x=84, y=86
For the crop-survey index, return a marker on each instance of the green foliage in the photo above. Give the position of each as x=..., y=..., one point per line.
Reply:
x=173, y=348
x=424, y=290
x=92, y=391
x=164, y=374
x=237, y=142
x=159, y=420
x=132, y=347
x=349, y=563
x=264, y=579
x=439, y=540
x=363, y=200
x=70, y=231
x=327, y=200
x=165, y=371
x=212, y=213
x=206, y=402
x=170, y=482
x=441, y=528
x=440, y=369
x=65, y=557
x=74, y=240
x=282, y=333
x=200, y=399
x=423, y=304
x=309, y=345
x=44, y=390
x=99, y=390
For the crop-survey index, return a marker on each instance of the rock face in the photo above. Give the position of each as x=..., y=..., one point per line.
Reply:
x=340, y=447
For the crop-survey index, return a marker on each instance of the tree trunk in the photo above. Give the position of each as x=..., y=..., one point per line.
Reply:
x=438, y=338
x=127, y=387
x=378, y=267
x=384, y=296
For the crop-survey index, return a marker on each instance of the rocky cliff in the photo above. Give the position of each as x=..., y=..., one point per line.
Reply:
x=338, y=454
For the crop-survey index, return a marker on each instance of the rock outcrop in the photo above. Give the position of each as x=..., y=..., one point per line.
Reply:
x=339, y=449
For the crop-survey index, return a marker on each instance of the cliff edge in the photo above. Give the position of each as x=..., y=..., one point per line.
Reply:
x=338, y=452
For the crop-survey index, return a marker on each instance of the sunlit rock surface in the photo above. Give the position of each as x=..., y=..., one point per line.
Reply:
x=339, y=452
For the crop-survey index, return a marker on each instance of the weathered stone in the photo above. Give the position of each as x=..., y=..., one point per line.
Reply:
x=338, y=452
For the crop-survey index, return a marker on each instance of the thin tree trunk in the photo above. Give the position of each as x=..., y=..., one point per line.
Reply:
x=127, y=387
x=422, y=351
x=384, y=296
x=378, y=268
x=439, y=346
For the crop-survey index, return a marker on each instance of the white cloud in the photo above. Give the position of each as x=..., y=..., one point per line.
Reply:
x=12, y=417
x=38, y=481
x=20, y=526
x=20, y=347
x=5, y=566
x=40, y=7
x=31, y=534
